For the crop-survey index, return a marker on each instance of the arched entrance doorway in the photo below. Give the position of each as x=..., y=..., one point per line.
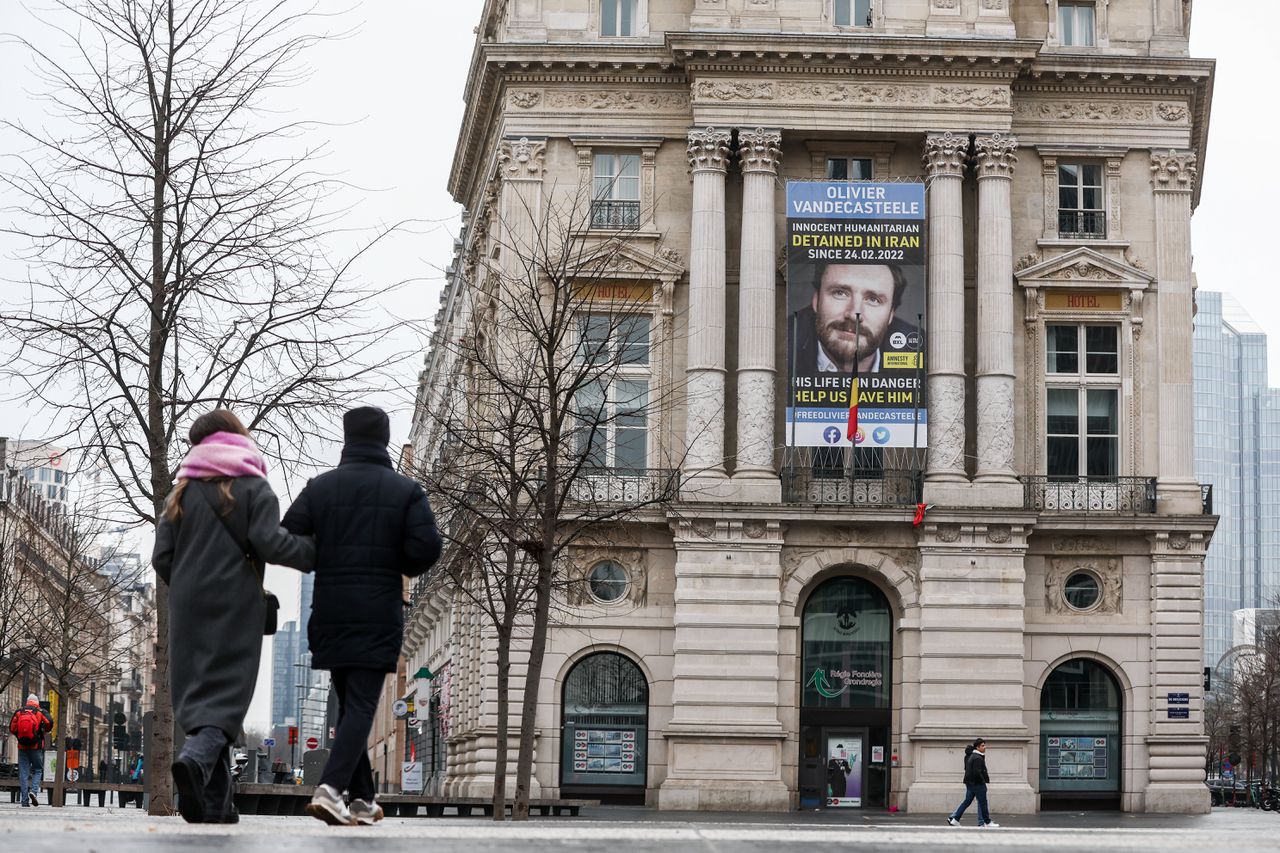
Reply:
x=846, y=657
x=604, y=730
x=1080, y=737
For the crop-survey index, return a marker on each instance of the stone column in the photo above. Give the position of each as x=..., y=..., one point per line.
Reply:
x=944, y=161
x=1173, y=178
x=705, y=374
x=995, y=157
x=759, y=151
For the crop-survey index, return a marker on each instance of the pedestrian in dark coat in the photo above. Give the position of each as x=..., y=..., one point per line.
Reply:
x=373, y=527
x=975, y=785
x=217, y=606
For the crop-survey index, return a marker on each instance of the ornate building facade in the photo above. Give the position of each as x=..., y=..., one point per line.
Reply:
x=1034, y=577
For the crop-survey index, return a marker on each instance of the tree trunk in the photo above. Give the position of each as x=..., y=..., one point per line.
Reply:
x=504, y=725
x=532, y=681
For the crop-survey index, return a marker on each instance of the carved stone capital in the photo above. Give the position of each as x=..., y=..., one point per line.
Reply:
x=708, y=150
x=522, y=159
x=759, y=150
x=1173, y=171
x=945, y=154
x=995, y=155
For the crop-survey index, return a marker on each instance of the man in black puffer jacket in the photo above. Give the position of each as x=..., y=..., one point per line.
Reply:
x=372, y=528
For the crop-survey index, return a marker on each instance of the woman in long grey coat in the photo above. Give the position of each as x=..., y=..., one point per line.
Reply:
x=219, y=528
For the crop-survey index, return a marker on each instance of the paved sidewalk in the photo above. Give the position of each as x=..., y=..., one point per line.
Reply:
x=612, y=830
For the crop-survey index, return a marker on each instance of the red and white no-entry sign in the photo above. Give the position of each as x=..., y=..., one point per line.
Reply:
x=313, y=743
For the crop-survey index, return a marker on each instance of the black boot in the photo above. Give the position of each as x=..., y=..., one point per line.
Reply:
x=193, y=768
x=219, y=794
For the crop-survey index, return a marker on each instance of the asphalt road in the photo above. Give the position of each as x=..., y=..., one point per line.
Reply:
x=616, y=830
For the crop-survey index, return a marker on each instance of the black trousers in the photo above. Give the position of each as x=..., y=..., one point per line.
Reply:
x=348, y=768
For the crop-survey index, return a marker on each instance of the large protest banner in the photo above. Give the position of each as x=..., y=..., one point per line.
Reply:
x=856, y=311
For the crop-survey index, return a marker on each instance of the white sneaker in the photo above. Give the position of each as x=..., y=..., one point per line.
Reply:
x=366, y=814
x=326, y=805
x=991, y=824
x=953, y=821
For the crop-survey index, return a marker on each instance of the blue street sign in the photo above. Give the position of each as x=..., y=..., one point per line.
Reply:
x=268, y=741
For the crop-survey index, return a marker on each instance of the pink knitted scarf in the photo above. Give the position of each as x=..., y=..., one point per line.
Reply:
x=223, y=454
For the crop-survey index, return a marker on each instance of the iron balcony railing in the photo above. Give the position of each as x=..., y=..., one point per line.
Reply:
x=610, y=213
x=853, y=476
x=1082, y=223
x=1090, y=495
x=635, y=486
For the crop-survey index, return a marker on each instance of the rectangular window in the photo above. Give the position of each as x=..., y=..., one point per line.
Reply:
x=613, y=414
x=1076, y=24
x=617, y=18
x=1082, y=421
x=615, y=191
x=1081, y=210
x=852, y=13
x=848, y=169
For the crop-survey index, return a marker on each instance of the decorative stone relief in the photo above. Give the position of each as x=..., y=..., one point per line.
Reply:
x=1179, y=541
x=868, y=94
x=1027, y=261
x=995, y=5
x=704, y=527
x=995, y=424
x=754, y=529
x=759, y=150
x=995, y=155
x=613, y=101
x=735, y=90
x=946, y=428
x=998, y=534
x=709, y=149
x=1110, y=112
x=1133, y=260
x=1173, y=171
x=1083, y=271
x=522, y=158
x=1082, y=544
x=948, y=533
x=672, y=256
x=945, y=154
x=1172, y=112
x=755, y=418
x=946, y=4
x=1108, y=571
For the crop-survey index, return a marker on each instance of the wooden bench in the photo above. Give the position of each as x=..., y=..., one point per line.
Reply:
x=126, y=793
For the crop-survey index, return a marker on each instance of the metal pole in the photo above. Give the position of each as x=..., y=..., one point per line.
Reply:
x=90, y=768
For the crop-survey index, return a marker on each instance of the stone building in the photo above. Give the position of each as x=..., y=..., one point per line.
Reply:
x=785, y=635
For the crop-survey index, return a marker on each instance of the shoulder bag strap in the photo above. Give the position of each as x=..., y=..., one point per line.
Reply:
x=240, y=540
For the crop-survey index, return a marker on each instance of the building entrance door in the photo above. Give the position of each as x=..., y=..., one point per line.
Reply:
x=845, y=707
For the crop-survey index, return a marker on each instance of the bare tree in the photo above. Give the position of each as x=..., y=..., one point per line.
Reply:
x=543, y=431
x=176, y=235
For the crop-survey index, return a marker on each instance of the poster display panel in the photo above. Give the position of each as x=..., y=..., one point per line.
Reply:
x=844, y=771
x=856, y=312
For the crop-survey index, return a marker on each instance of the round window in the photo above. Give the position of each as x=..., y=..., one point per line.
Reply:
x=1082, y=591
x=608, y=581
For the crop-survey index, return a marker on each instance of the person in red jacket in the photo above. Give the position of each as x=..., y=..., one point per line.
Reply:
x=28, y=725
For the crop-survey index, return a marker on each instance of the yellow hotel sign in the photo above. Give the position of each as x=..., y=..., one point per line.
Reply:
x=1083, y=300
x=636, y=294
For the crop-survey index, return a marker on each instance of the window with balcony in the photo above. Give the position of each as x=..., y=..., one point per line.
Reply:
x=615, y=198
x=852, y=13
x=1081, y=208
x=848, y=168
x=1077, y=26
x=1082, y=401
x=617, y=18
x=612, y=413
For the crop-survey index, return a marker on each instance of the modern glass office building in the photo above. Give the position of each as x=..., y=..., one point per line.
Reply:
x=284, y=678
x=1238, y=452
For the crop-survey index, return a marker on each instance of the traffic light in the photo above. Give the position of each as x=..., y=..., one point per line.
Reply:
x=293, y=735
x=120, y=738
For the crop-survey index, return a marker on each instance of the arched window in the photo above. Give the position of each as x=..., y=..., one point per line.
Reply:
x=606, y=718
x=1080, y=714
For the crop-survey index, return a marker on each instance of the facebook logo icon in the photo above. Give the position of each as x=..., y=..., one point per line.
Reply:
x=831, y=435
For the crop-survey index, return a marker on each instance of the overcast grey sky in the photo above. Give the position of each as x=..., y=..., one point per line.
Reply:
x=396, y=85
